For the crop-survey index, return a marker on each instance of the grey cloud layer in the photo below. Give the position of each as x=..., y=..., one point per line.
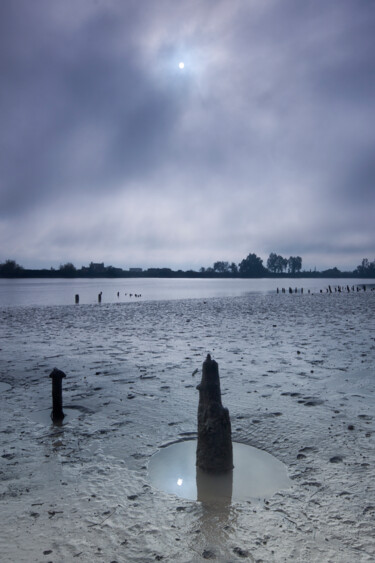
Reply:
x=270, y=127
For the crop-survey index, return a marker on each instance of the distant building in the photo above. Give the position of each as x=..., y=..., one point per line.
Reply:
x=96, y=267
x=135, y=270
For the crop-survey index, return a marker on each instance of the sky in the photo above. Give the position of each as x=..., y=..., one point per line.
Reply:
x=264, y=142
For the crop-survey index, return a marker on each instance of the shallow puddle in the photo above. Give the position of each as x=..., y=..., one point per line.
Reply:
x=256, y=474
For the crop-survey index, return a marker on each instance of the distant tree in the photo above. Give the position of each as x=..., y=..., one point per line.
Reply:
x=10, y=268
x=252, y=265
x=366, y=268
x=276, y=263
x=271, y=262
x=233, y=268
x=284, y=264
x=221, y=267
x=67, y=269
x=202, y=270
x=331, y=273
x=294, y=264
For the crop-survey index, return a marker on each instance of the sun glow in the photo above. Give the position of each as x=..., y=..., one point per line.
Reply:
x=181, y=65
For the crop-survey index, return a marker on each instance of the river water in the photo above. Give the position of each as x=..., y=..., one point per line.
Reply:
x=36, y=292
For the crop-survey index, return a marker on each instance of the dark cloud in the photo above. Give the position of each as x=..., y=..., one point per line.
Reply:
x=78, y=113
x=263, y=143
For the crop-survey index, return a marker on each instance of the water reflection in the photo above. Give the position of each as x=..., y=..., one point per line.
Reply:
x=256, y=474
x=214, y=488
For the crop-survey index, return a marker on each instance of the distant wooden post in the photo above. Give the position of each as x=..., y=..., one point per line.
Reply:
x=77, y=298
x=57, y=405
x=100, y=297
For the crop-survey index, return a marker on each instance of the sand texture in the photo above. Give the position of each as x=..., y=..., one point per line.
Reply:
x=297, y=375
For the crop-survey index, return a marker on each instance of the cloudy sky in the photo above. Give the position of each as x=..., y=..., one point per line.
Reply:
x=264, y=141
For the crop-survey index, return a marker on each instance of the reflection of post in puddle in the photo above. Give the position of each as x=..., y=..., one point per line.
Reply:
x=217, y=524
x=214, y=487
x=214, y=491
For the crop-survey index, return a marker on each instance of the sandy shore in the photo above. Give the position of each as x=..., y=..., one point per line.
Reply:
x=297, y=375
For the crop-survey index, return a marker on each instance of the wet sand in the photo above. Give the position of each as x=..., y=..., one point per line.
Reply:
x=297, y=374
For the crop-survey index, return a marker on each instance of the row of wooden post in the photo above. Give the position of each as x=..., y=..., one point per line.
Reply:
x=338, y=289
x=283, y=290
x=76, y=297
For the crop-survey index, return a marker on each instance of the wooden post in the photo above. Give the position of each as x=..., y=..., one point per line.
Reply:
x=57, y=405
x=100, y=297
x=214, y=448
x=77, y=298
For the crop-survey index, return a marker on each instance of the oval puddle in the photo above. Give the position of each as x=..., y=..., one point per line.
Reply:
x=256, y=474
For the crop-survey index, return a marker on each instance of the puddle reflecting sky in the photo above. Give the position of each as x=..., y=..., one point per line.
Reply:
x=256, y=474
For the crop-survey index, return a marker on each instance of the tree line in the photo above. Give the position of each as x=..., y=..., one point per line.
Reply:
x=251, y=266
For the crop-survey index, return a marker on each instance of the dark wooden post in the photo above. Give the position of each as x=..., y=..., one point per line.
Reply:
x=214, y=448
x=100, y=297
x=77, y=298
x=57, y=405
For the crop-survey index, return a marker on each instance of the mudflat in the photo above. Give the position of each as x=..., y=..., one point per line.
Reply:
x=297, y=375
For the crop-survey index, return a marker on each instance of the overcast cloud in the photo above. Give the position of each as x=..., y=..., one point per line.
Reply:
x=263, y=143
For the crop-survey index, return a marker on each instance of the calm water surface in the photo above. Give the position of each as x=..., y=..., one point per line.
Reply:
x=31, y=292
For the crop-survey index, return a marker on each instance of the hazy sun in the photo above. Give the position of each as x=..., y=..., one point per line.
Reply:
x=181, y=65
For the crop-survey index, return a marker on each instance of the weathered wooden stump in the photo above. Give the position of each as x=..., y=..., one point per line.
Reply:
x=57, y=413
x=214, y=448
